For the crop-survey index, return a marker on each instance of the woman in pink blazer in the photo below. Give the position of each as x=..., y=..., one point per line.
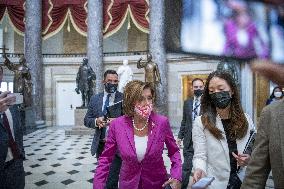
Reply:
x=139, y=137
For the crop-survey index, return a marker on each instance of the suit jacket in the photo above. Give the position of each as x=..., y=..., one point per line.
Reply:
x=212, y=155
x=95, y=111
x=186, y=128
x=4, y=139
x=150, y=173
x=268, y=153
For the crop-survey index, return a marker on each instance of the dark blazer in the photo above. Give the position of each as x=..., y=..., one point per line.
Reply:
x=268, y=152
x=95, y=111
x=15, y=173
x=18, y=133
x=186, y=127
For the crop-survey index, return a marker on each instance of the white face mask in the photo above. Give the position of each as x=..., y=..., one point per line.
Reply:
x=277, y=94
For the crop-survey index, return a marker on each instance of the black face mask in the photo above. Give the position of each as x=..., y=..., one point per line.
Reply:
x=221, y=99
x=198, y=92
x=110, y=88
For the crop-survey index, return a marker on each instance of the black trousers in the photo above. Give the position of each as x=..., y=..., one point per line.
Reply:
x=234, y=181
x=112, y=180
x=13, y=175
x=186, y=170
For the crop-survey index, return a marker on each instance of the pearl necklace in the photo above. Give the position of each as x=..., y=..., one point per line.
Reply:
x=137, y=129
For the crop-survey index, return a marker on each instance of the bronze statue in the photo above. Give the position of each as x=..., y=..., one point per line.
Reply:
x=230, y=67
x=85, y=81
x=22, y=79
x=152, y=74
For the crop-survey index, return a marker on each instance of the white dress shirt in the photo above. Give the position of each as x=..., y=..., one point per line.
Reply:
x=10, y=120
x=193, y=105
x=140, y=146
x=111, y=99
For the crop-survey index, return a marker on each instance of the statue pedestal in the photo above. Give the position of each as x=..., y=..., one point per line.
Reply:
x=28, y=121
x=79, y=127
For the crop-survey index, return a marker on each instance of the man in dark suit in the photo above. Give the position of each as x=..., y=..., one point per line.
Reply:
x=268, y=152
x=191, y=110
x=95, y=118
x=12, y=175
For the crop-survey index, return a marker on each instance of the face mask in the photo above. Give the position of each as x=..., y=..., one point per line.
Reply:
x=221, y=99
x=144, y=111
x=277, y=94
x=111, y=88
x=198, y=92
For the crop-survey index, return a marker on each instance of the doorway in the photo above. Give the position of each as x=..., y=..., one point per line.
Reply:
x=66, y=102
x=187, y=83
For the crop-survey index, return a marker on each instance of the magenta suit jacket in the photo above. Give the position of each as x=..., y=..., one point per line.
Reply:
x=150, y=173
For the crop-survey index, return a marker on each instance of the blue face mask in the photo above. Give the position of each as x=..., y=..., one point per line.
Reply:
x=111, y=88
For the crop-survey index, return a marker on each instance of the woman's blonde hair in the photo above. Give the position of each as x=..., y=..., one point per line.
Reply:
x=133, y=93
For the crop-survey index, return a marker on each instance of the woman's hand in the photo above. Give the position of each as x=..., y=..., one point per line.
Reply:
x=242, y=159
x=198, y=174
x=179, y=142
x=175, y=184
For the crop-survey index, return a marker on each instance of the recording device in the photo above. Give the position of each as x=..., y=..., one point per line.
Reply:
x=168, y=186
x=19, y=98
x=203, y=183
x=250, y=143
x=235, y=29
x=114, y=110
x=247, y=150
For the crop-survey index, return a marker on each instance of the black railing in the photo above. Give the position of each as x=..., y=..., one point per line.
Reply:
x=12, y=55
x=107, y=54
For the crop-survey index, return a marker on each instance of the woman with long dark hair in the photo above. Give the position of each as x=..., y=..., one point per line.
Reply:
x=276, y=95
x=221, y=133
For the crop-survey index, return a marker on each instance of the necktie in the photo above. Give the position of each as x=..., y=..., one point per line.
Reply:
x=106, y=104
x=12, y=143
x=104, y=130
x=195, y=109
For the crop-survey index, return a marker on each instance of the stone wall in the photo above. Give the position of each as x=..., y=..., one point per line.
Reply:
x=137, y=40
x=18, y=43
x=54, y=44
x=69, y=42
x=73, y=42
x=116, y=42
x=65, y=69
x=177, y=68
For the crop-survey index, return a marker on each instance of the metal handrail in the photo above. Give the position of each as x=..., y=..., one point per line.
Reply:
x=106, y=54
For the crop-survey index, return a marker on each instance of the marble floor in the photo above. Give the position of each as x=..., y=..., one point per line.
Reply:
x=56, y=161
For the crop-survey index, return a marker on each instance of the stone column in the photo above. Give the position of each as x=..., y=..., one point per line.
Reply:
x=33, y=54
x=247, y=89
x=95, y=40
x=157, y=49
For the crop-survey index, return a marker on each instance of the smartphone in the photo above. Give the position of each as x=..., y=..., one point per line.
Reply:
x=19, y=98
x=168, y=186
x=203, y=183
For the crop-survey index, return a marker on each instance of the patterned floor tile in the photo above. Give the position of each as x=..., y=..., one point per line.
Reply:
x=63, y=161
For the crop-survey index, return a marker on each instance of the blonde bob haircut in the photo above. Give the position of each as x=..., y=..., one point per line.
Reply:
x=133, y=93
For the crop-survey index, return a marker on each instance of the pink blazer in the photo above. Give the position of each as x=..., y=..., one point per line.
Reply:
x=150, y=173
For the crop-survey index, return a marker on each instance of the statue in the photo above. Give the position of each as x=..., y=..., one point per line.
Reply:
x=85, y=82
x=152, y=74
x=229, y=67
x=125, y=75
x=22, y=79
